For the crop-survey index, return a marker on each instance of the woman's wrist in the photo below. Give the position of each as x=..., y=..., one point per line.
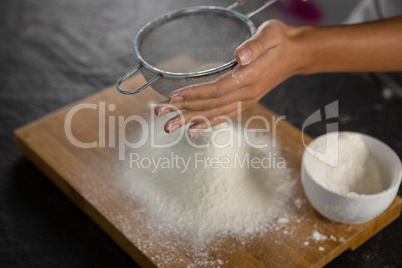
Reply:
x=301, y=49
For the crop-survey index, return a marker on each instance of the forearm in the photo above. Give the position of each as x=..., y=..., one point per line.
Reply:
x=367, y=47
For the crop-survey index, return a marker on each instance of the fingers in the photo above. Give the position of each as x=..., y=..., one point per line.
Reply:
x=163, y=108
x=209, y=104
x=201, y=121
x=208, y=96
x=210, y=90
x=264, y=39
x=205, y=105
x=191, y=117
x=201, y=126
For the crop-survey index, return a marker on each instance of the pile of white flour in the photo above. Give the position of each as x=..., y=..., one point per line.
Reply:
x=356, y=172
x=209, y=192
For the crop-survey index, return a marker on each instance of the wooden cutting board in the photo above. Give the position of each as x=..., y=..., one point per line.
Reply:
x=90, y=178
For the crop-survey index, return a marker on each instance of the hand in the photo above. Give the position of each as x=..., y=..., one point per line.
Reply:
x=276, y=52
x=265, y=60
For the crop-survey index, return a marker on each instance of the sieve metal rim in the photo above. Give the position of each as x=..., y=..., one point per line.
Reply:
x=177, y=13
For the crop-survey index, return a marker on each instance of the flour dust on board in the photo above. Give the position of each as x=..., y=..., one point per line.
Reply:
x=217, y=183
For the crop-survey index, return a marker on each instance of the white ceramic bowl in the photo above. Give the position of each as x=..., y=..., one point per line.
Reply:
x=357, y=209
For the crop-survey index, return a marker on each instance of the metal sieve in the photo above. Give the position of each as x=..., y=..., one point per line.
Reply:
x=189, y=46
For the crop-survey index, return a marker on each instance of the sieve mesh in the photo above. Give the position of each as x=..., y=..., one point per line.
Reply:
x=192, y=41
x=187, y=47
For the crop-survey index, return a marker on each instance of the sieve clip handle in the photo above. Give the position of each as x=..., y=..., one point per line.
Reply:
x=254, y=12
x=129, y=74
x=261, y=8
x=236, y=4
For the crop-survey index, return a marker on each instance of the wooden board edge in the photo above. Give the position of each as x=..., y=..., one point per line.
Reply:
x=393, y=212
x=375, y=226
x=79, y=201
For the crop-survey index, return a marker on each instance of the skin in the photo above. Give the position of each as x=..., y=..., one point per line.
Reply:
x=276, y=52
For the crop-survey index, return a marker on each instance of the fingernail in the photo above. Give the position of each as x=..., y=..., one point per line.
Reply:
x=174, y=93
x=173, y=128
x=162, y=110
x=191, y=132
x=176, y=99
x=243, y=56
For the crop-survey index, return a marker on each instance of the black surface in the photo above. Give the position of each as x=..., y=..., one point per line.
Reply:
x=56, y=52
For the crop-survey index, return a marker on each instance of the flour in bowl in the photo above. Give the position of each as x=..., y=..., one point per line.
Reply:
x=356, y=172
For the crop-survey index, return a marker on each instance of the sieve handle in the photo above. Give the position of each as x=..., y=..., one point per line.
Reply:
x=235, y=4
x=129, y=74
x=261, y=8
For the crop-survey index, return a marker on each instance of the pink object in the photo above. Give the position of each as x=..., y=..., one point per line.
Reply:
x=306, y=10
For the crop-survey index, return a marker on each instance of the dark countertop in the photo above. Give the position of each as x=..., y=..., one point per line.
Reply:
x=56, y=52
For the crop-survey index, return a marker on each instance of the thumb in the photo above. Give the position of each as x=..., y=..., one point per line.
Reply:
x=243, y=54
x=255, y=46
